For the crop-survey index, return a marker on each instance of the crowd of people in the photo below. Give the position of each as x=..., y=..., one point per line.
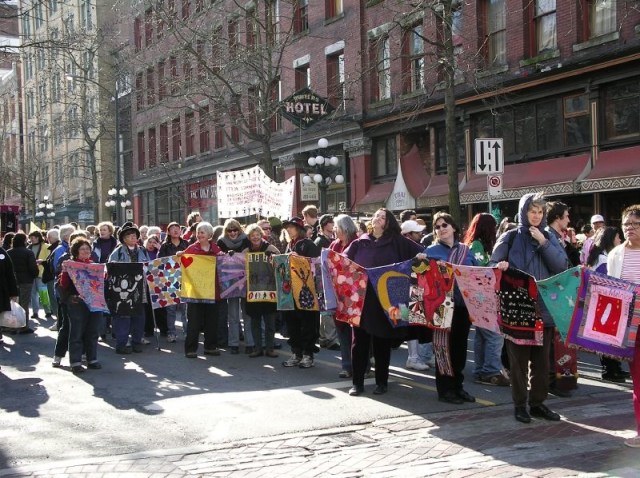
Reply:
x=539, y=242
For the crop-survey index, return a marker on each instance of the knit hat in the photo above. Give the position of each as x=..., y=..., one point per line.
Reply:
x=274, y=221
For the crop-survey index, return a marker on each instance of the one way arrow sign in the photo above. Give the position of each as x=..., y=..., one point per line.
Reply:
x=489, y=156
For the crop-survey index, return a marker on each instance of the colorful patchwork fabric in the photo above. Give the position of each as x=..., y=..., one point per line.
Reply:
x=606, y=317
x=198, y=278
x=163, y=278
x=477, y=286
x=435, y=279
x=518, y=318
x=284, y=291
x=327, y=285
x=350, y=283
x=560, y=294
x=442, y=352
x=391, y=284
x=303, y=284
x=232, y=276
x=261, y=280
x=88, y=280
x=124, y=288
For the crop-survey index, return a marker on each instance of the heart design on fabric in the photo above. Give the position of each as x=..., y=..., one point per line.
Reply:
x=162, y=302
x=187, y=261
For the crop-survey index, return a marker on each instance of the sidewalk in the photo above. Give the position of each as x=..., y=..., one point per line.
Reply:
x=484, y=442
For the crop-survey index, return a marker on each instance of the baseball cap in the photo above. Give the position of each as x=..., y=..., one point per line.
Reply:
x=596, y=218
x=411, y=226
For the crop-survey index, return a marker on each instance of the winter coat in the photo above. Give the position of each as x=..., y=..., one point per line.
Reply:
x=523, y=252
x=168, y=248
x=8, y=282
x=369, y=252
x=102, y=249
x=41, y=252
x=120, y=254
x=24, y=264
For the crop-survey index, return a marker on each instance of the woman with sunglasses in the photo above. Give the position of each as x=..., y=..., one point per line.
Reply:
x=446, y=247
x=383, y=246
x=235, y=240
x=624, y=262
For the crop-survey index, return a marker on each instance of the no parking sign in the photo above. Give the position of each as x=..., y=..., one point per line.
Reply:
x=494, y=184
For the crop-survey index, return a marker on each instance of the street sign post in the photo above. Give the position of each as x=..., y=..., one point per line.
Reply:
x=489, y=155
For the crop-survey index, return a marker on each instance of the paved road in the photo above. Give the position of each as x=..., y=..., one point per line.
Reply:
x=252, y=417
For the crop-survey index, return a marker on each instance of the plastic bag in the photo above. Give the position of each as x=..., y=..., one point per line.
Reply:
x=16, y=318
x=43, y=293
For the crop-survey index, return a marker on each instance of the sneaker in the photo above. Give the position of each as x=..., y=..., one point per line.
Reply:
x=306, y=362
x=633, y=442
x=171, y=338
x=83, y=359
x=56, y=362
x=144, y=341
x=345, y=374
x=498, y=380
x=212, y=352
x=94, y=366
x=54, y=328
x=293, y=361
x=76, y=369
x=416, y=365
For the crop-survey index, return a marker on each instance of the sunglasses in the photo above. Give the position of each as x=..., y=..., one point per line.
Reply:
x=444, y=225
x=266, y=228
x=232, y=230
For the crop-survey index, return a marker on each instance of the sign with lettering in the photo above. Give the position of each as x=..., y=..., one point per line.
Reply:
x=304, y=108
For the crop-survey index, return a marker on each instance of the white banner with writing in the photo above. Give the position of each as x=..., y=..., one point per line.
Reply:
x=250, y=191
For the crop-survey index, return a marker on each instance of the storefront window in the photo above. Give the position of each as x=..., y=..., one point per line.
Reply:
x=623, y=110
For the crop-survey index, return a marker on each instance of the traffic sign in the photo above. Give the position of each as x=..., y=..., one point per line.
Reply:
x=494, y=183
x=489, y=156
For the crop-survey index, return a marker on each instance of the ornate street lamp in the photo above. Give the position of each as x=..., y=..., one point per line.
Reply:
x=323, y=171
x=117, y=197
x=45, y=209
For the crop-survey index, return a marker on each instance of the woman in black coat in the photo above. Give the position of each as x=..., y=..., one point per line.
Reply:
x=26, y=270
x=8, y=283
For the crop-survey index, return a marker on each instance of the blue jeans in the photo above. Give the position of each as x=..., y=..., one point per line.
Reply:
x=487, y=349
x=35, y=297
x=53, y=301
x=344, y=337
x=233, y=319
x=62, y=342
x=125, y=324
x=84, y=328
x=269, y=330
x=173, y=312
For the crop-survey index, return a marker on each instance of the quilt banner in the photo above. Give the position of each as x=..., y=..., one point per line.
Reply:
x=124, y=288
x=433, y=283
x=350, y=283
x=606, y=317
x=261, y=280
x=391, y=284
x=477, y=286
x=559, y=294
x=284, y=292
x=327, y=285
x=232, y=275
x=88, y=280
x=302, y=283
x=163, y=278
x=517, y=295
x=316, y=270
x=198, y=278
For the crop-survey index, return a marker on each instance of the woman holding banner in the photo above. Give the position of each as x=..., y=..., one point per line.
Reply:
x=84, y=325
x=202, y=315
x=623, y=262
x=383, y=246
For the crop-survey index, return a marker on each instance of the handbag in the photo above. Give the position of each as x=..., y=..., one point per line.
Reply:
x=16, y=318
x=43, y=293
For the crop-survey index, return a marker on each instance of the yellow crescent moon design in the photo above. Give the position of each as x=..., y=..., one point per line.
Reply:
x=383, y=290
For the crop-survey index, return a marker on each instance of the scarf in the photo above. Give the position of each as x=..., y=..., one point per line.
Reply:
x=234, y=245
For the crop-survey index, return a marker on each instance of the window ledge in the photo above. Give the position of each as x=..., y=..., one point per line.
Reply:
x=540, y=58
x=493, y=70
x=380, y=103
x=413, y=94
x=597, y=41
x=331, y=20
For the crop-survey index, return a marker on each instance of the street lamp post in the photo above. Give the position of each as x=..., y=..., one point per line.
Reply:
x=117, y=197
x=323, y=171
x=45, y=210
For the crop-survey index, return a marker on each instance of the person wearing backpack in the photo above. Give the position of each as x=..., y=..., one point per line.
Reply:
x=531, y=249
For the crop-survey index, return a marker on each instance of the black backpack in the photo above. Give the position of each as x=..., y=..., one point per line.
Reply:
x=48, y=273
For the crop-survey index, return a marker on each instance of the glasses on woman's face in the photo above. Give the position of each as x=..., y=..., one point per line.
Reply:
x=631, y=225
x=231, y=231
x=266, y=228
x=442, y=225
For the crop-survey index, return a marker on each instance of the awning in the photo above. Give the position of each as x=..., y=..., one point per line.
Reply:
x=375, y=198
x=9, y=208
x=414, y=172
x=437, y=192
x=615, y=169
x=552, y=176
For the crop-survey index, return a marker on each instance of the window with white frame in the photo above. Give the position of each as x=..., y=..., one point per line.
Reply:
x=602, y=17
x=545, y=25
x=496, y=32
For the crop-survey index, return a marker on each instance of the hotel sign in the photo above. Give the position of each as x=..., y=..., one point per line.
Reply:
x=304, y=108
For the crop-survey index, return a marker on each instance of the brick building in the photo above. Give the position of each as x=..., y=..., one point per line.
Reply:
x=558, y=81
